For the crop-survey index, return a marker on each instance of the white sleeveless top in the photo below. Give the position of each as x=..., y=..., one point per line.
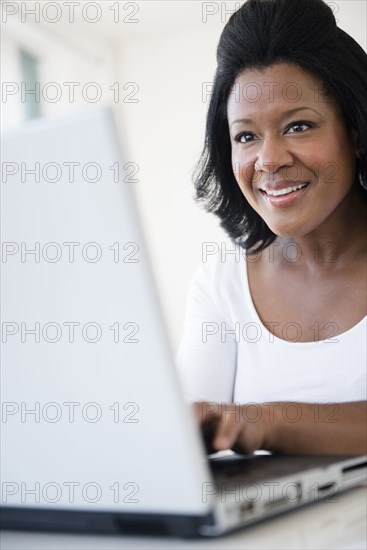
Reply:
x=227, y=354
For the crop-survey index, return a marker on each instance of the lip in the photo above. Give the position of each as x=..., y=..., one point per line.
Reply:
x=285, y=200
x=281, y=184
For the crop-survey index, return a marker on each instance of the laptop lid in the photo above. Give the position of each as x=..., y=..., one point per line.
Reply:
x=91, y=406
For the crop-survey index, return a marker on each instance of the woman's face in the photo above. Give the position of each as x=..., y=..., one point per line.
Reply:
x=285, y=134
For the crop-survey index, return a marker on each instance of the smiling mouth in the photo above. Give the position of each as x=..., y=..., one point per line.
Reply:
x=285, y=191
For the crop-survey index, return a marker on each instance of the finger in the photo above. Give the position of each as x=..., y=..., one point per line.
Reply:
x=227, y=434
x=208, y=430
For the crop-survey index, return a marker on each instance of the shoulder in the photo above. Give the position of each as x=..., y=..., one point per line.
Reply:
x=221, y=272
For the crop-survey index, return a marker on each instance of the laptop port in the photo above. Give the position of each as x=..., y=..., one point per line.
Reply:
x=277, y=503
x=288, y=498
x=355, y=468
x=247, y=508
x=327, y=489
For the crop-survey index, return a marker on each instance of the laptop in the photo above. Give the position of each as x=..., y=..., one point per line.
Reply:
x=96, y=433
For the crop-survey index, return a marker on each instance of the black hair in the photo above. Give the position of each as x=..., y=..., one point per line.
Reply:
x=259, y=35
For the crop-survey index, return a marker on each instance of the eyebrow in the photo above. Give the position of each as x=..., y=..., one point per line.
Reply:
x=284, y=115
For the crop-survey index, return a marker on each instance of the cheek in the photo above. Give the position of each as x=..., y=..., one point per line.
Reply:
x=245, y=176
x=244, y=173
x=335, y=158
x=336, y=167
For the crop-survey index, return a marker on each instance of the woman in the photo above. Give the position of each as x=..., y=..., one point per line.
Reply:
x=274, y=348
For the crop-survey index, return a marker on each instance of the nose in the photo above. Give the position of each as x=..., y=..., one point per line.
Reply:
x=272, y=155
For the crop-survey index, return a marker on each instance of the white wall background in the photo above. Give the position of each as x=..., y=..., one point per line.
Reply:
x=169, y=52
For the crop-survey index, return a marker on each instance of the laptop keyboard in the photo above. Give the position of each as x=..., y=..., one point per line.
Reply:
x=259, y=467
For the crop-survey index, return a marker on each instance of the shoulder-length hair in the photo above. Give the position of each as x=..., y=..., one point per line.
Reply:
x=258, y=35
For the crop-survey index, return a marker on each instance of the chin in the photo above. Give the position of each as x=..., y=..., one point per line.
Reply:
x=291, y=231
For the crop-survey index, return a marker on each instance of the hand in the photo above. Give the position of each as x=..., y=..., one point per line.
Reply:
x=228, y=426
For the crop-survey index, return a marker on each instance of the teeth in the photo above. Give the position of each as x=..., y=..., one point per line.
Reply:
x=285, y=191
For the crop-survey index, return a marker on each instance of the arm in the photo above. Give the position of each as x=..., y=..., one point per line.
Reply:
x=206, y=363
x=288, y=428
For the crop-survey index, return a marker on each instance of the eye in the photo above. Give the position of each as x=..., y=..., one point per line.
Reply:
x=299, y=123
x=242, y=138
x=244, y=135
